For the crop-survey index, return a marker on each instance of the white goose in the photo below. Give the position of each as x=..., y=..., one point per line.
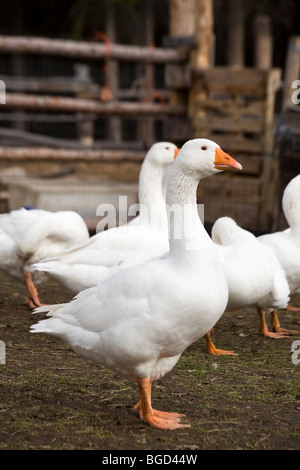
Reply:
x=10, y=263
x=34, y=235
x=256, y=281
x=110, y=251
x=286, y=246
x=139, y=321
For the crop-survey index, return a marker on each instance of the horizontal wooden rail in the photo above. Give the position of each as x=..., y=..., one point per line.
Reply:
x=89, y=49
x=31, y=138
x=71, y=85
x=112, y=108
x=50, y=154
x=49, y=85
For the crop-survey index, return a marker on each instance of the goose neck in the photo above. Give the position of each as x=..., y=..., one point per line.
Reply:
x=150, y=184
x=186, y=231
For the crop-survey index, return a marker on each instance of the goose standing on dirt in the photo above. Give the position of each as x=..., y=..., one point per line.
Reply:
x=256, y=281
x=112, y=250
x=139, y=321
x=286, y=246
x=38, y=234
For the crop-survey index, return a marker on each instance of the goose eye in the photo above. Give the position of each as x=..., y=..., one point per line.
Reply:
x=167, y=148
x=204, y=147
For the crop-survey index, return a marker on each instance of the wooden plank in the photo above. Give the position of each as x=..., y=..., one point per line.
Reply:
x=232, y=142
x=230, y=124
x=245, y=81
x=252, y=164
x=88, y=49
x=50, y=154
x=245, y=214
x=227, y=105
x=249, y=76
x=234, y=89
x=63, y=85
x=49, y=85
x=13, y=136
x=129, y=109
x=30, y=138
x=231, y=188
x=41, y=117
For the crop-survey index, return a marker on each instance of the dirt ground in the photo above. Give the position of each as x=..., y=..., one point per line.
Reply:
x=52, y=399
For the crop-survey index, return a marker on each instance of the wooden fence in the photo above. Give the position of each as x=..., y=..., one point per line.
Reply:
x=80, y=115
x=80, y=99
x=236, y=109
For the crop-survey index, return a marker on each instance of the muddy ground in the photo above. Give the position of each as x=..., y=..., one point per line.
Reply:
x=52, y=399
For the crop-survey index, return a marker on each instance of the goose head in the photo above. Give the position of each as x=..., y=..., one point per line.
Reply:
x=162, y=154
x=203, y=157
x=291, y=202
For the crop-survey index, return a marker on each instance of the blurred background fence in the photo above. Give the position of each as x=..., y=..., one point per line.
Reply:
x=80, y=115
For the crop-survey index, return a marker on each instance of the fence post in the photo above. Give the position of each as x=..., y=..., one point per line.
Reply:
x=263, y=42
x=201, y=57
x=147, y=124
x=235, y=34
x=18, y=65
x=115, y=123
x=291, y=71
x=85, y=128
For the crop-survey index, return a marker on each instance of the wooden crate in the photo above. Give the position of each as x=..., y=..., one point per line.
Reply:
x=235, y=108
x=226, y=194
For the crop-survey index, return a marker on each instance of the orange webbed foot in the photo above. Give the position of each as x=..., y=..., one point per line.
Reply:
x=157, y=419
x=277, y=328
x=211, y=348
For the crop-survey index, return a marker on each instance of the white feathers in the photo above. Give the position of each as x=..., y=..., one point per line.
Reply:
x=254, y=275
x=108, y=252
x=37, y=234
x=286, y=244
x=141, y=319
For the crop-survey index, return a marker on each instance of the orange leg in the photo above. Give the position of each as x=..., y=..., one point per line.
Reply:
x=211, y=348
x=264, y=328
x=156, y=419
x=276, y=326
x=33, y=300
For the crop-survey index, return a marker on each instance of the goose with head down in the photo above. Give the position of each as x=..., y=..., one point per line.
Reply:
x=139, y=321
x=112, y=250
x=256, y=281
x=37, y=234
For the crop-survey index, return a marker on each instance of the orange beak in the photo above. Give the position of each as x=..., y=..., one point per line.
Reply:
x=176, y=151
x=223, y=161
